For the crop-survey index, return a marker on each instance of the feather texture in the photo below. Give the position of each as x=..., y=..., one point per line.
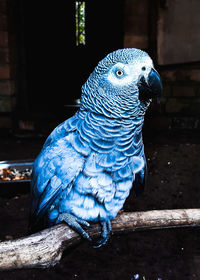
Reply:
x=90, y=162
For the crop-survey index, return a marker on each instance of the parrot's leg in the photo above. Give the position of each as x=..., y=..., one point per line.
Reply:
x=105, y=234
x=75, y=223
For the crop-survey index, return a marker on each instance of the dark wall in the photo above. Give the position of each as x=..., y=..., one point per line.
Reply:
x=42, y=69
x=55, y=67
x=168, y=31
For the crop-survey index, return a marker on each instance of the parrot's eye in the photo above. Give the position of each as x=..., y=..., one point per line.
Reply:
x=143, y=68
x=119, y=73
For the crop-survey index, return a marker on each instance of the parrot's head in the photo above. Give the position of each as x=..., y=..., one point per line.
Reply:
x=122, y=84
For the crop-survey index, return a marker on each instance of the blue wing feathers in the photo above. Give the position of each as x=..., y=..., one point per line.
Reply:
x=107, y=160
x=84, y=163
x=125, y=171
x=78, y=145
x=56, y=166
x=131, y=151
x=104, y=144
x=52, y=189
x=90, y=162
x=91, y=168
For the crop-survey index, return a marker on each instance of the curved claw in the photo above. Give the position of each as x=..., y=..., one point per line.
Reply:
x=105, y=234
x=75, y=223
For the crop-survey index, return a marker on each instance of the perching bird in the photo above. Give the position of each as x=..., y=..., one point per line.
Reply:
x=90, y=162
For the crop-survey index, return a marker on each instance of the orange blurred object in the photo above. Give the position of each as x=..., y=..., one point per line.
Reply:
x=14, y=175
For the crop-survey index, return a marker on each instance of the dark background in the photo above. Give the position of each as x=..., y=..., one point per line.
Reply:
x=41, y=73
x=42, y=69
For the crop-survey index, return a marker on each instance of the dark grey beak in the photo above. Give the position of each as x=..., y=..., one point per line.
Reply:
x=150, y=88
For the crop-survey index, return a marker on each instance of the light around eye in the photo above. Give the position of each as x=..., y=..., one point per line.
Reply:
x=119, y=73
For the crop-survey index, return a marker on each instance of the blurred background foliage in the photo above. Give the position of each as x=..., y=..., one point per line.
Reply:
x=80, y=22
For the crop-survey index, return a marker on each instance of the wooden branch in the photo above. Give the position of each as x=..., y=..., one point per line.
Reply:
x=45, y=248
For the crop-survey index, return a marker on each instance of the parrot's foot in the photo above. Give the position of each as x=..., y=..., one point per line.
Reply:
x=105, y=234
x=75, y=223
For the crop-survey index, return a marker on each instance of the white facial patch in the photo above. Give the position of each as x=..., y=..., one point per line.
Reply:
x=121, y=74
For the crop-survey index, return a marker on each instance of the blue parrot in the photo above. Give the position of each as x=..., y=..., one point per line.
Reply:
x=90, y=162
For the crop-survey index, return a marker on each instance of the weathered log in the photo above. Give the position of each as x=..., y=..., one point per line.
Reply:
x=45, y=248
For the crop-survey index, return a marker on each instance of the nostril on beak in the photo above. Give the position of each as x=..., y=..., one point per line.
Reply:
x=150, y=87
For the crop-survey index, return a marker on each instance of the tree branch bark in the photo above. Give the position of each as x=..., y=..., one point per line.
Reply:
x=45, y=248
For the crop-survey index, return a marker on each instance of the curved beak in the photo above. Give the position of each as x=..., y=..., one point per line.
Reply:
x=150, y=87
